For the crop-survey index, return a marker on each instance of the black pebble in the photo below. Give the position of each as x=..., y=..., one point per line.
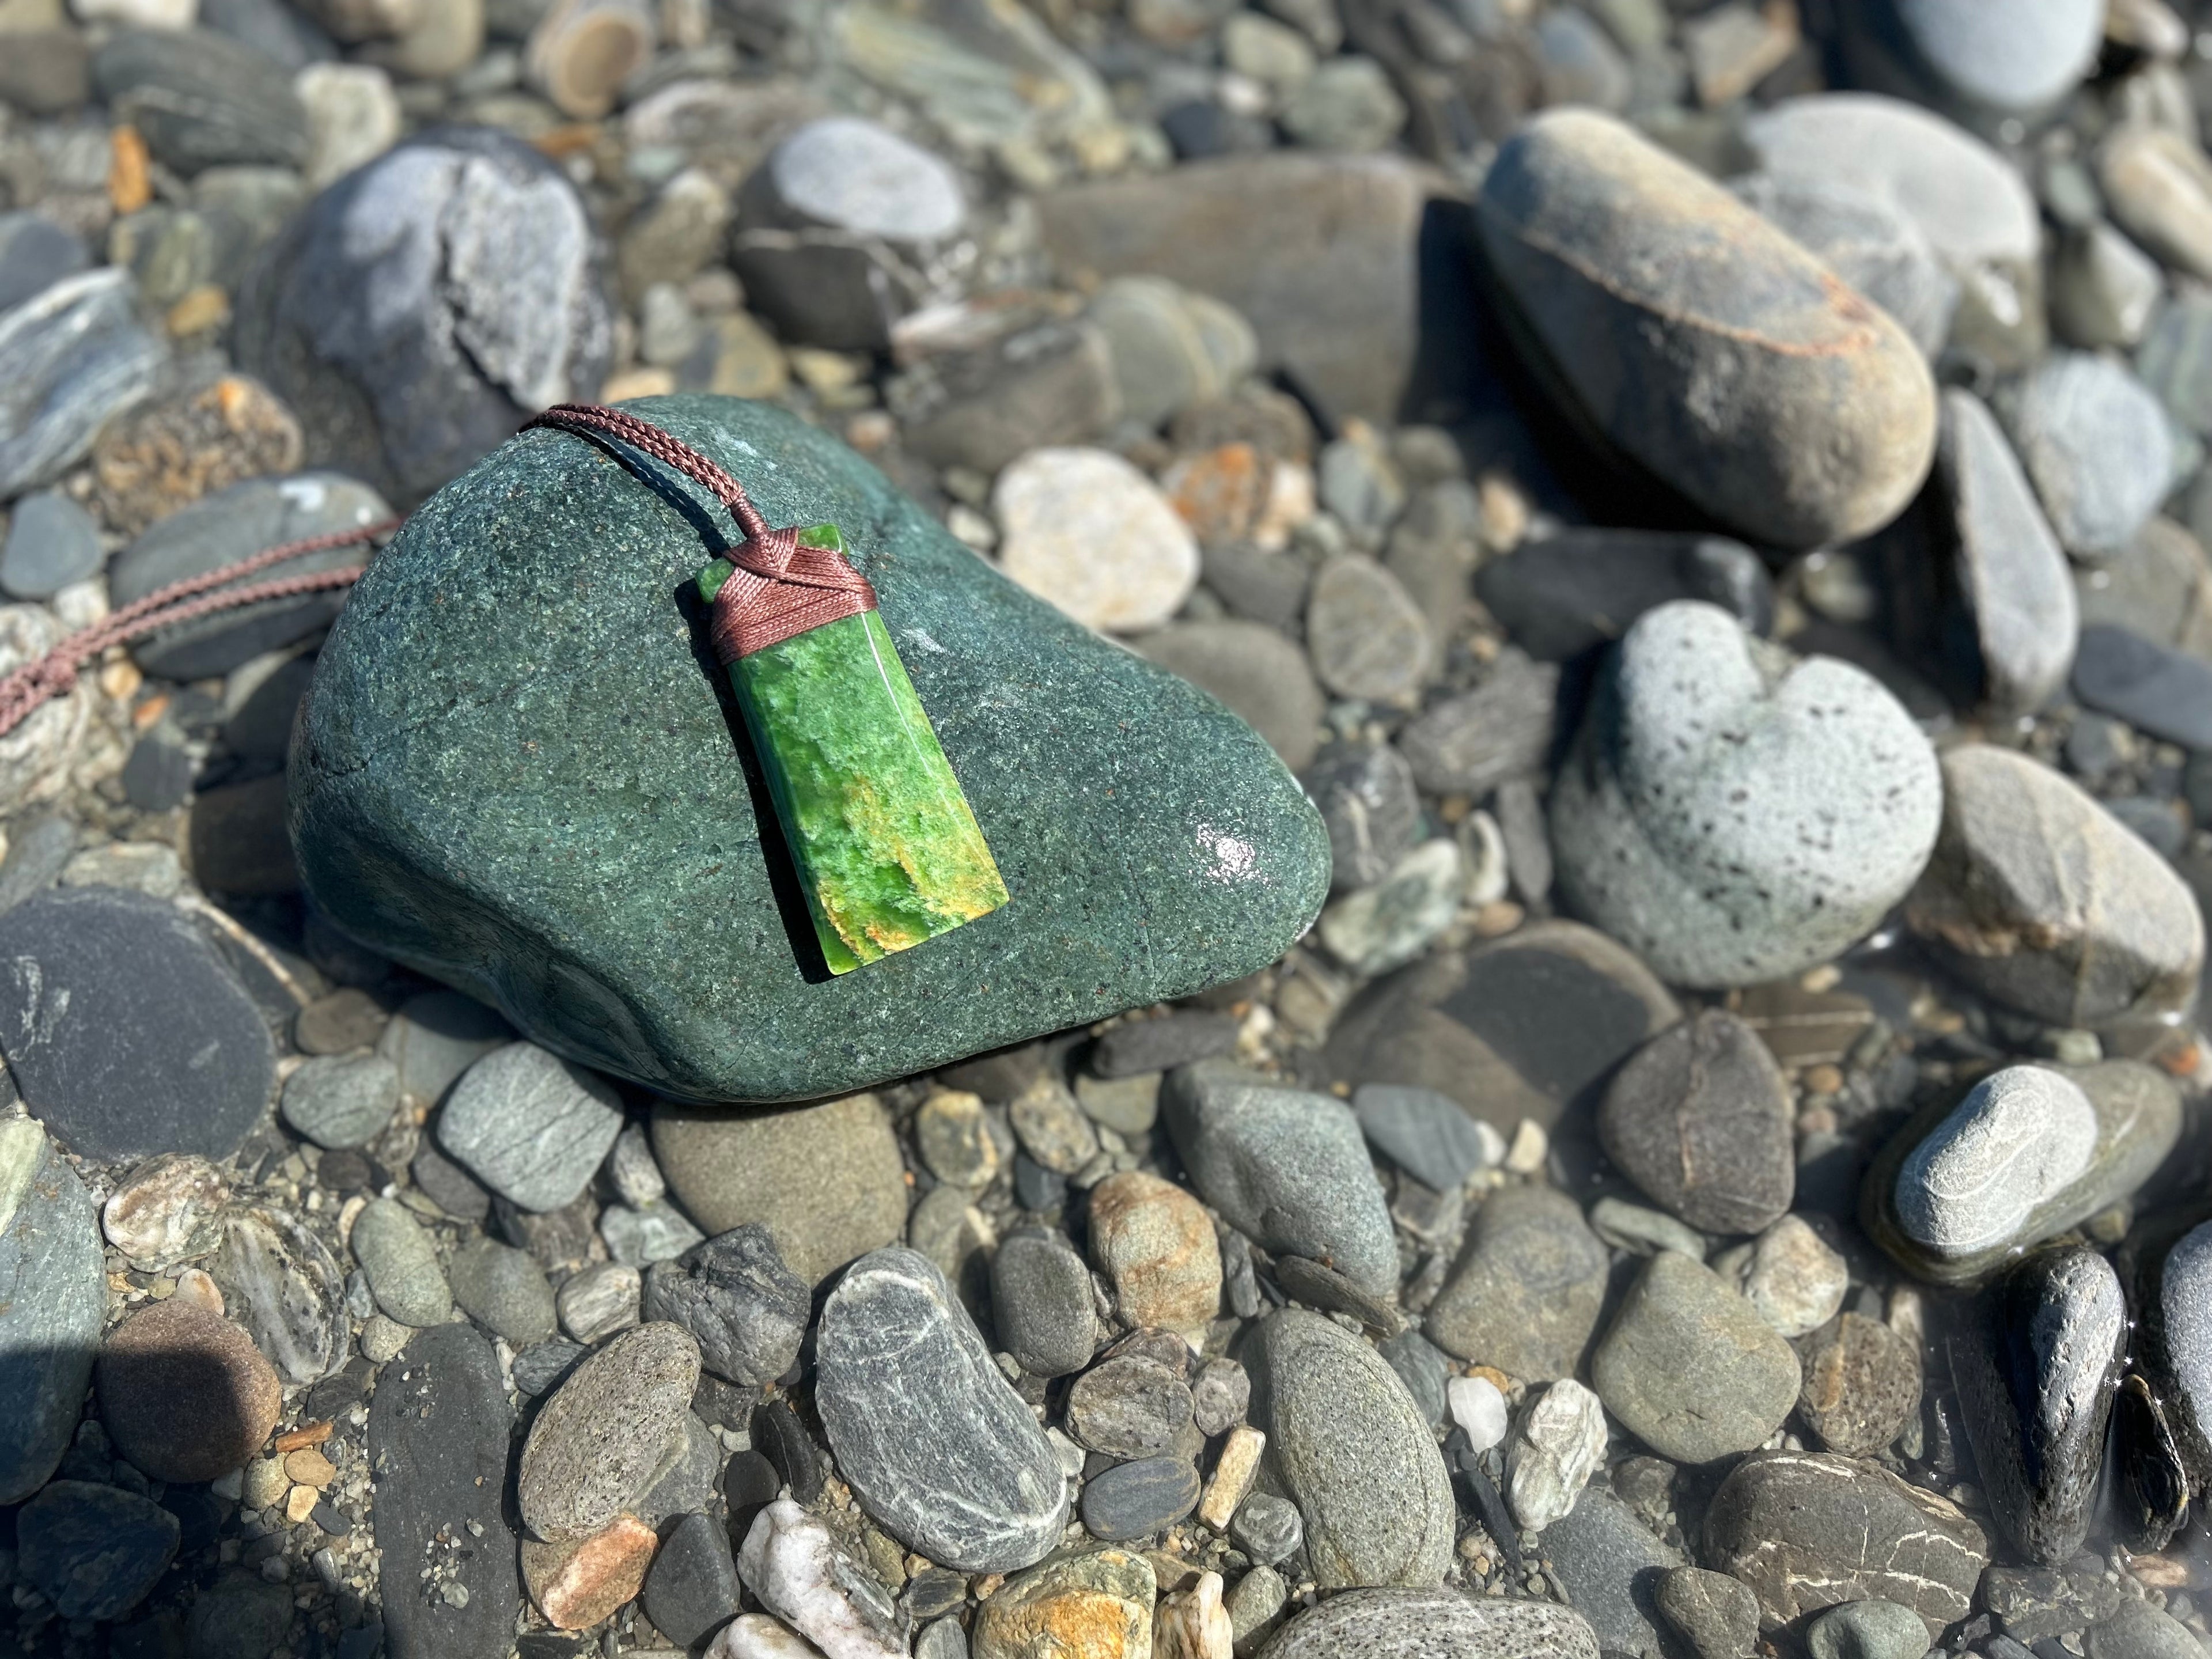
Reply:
x=778, y=1432
x=692, y=1588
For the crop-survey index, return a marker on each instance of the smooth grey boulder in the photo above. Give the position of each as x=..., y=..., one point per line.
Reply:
x=1432, y=1623
x=1287, y=1168
x=1348, y=1445
x=1689, y=1368
x=1733, y=814
x=934, y=1440
x=53, y=1296
x=1694, y=337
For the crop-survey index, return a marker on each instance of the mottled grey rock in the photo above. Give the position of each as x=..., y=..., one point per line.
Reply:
x=402, y=1264
x=1140, y=1499
x=1867, y=242
x=421, y=308
x=94, y=1551
x=1862, y=1385
x=342, y=1100
x=52, y=1300
x=2095, y=441
x=438, y=1461
x=2038, y=899
x=599, y=1444
x=1347, y=1444
x=1407, y=1624
x=1525, y=1296
x=1220, y=1393
x=1690, y=1367
x=230, y=524
x=1715, y=1614
x=937, y=1446
x=1503, y=729
x=51, y=542
x=1867, y=1629
x=2037, y=1368
x=1609, y=1564
x=1806, y=1530
x=202, y=99
x=530, y=1126
x=281, y=1282
x=502, y=1289
x=1560, y=1440
x=1288, y=1168
x=1700, y=1118
x=1827, y=424
x=1268, y=1529
x=1733, y=814
x=2020, y=1137
x=1041, y=1303
x=2010, y=571
x=1426, y=1134
x=640, y=1237
x=747, y=1310
x=1128, y=1407
x=602, y=1299
x=126, y=1029
x=1367, y=799
x=71, y=358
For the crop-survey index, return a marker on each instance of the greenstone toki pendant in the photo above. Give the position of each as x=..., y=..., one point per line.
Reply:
x=888, y=849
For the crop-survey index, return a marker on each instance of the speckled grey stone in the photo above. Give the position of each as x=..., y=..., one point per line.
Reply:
x=2037, y=1368
x=402, y=1264
x=1287, y=1168
x=1689, y=1368
x=342, y=1100
x=2029, y=1151
x=1525, y=1298
x=1266, y=1527
x=935, y=1441
x=281, y=1282
x=2037, y=898
x=1608, y=1563
x=530, y=1126
x=747, y=1310
x=1873, y=1629
x=1346, y=1443
x=1432, y=1624
x=1734, y=815
x=1715, y=1614
x=1806, y=1530
x=598, y=1444
x=556, y=907
x=53, y=1296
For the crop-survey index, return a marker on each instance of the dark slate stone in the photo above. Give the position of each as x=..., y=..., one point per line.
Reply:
x=229, y=525
x=1041, y=1302
x=1564, y=594
x=1422, y=1368
x=1425, y=1133
x=539, y=1369
x=2163, y=1455
x=286, y=37
x=126, y=1031
x=1373, y=811
x=934, y=1440
x=158, y=775
x=417, y=311
x=438, y=1433
x=1035, y=1187
x=35, y=253
x=202, y=99
x=51, y=542
x=1700, y=1118
x=555, y=907
x=94, y=1551
x=1135, y=1500
x=779, y=1436
x=1139, y=1046
x=1610, y=1565
x=36, y=854
x=2154, y=688
x=733, y=1293
x=261, y=729
x=749, y=1481
x=691, y=1590
x=53, y=1296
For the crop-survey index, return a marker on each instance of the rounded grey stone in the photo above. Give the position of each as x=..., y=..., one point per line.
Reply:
x=402, y=1264
x=502, y=1288
x=934, y=1440
x=2020, y=1136
x=607, y=1434
x=747, y=1311
x=1689, y=1368
x=1268, y=1529
x=1220, y=1393
x=1869, y=243
x=1346, y=1443
x=1867, y=1629
x=1135, y=1500
x=2019, y=62
x=342, y=1100
x=51, y=542
x=1432, y=1624
x=1714, y=1612
x=845, y=173
x=1701, y=1119
x=530, y=1126
x=1734, y=815
x=1426, y=1134
x=1128, y=1408
x=1526, y=1296
x=1041, y=1303
x=2095, y=441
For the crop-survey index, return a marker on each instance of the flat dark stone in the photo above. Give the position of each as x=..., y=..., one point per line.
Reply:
x=2154, y=688
x=691, y=1588
x=1135, y=1500
x=127, y=1032
x=94, y=1551
x=1153, y=845
x=1139, y=1046
x=1582, y=588
x=438, y=1434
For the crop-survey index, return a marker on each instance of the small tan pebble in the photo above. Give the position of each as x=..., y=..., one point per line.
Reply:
x=637, y=383
x=1529, y=1147
x=1816, y=1121
x=264, y=1483
x=987, y=1586
x=1823, y=1081
x=1502, y=917
x=310, y=1468
x=1233, y=1474
x=201, y=309
x=301, y=1503
x=197, y=1288
x=120, y=679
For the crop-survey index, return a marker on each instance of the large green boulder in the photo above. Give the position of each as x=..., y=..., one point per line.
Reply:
x=519, y=769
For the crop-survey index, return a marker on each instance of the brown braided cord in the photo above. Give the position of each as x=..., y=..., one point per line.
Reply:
x=29, y=687
x=777, y=588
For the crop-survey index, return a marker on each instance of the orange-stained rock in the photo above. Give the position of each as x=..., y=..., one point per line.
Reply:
x=1155, y=1242
x=576, y=1585
x=1098, y=1606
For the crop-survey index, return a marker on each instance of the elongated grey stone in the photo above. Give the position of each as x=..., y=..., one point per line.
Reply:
x=1432, y=1624
x=52, y=1291
x=609, y=1432
x=938, y=1445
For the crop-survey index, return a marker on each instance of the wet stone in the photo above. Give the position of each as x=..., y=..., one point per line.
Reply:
x=941, y=1451
x=598, y=1445
x=746, y=1309
x=1700, y=1118
x=1526, y=1296
x=1862, y=1385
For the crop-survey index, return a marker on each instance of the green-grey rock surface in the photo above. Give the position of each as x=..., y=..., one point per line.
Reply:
x=520, y=770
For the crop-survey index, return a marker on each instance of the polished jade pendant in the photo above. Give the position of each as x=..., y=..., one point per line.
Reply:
x=888, y=849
